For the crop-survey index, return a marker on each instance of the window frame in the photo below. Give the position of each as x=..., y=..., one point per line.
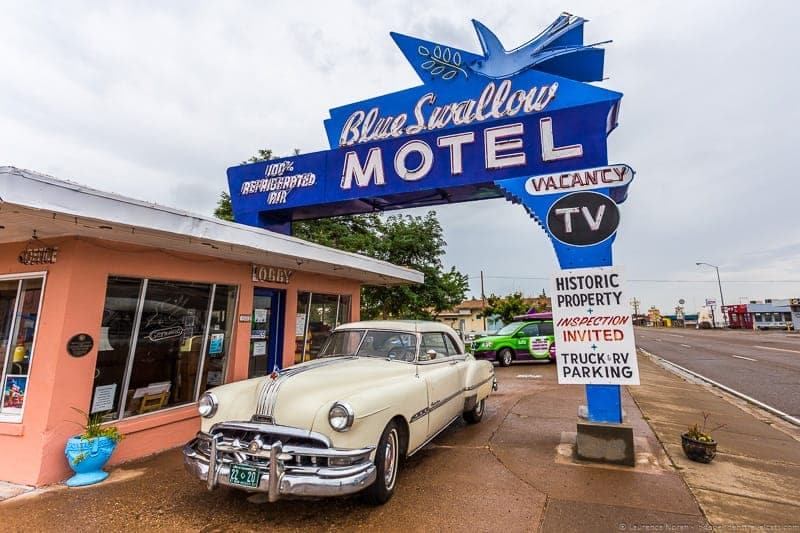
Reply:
x=119, y=413
x=20, y=277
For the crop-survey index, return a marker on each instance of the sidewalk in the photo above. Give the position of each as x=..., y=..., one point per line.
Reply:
x=755, y=478
x=514, y=471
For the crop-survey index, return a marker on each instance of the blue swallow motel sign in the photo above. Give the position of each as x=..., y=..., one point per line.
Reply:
x=523, y=124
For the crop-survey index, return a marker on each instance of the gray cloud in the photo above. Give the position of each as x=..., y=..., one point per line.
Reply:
x=156, y=100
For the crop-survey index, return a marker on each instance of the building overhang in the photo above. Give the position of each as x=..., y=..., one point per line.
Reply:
x=35, y=204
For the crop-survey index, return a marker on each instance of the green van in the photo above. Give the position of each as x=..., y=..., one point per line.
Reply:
x=528, y=338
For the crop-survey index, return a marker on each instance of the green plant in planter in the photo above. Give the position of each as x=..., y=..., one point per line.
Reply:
x=698, y=444
x=88, y=452
x=93, y=428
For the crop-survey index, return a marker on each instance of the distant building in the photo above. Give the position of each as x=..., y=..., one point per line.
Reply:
x=466, y=318
x=772, y=314
x=654, y=317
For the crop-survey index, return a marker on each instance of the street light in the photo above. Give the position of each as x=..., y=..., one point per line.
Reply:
x=721, y=298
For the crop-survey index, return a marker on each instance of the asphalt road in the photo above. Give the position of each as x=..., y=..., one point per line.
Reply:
x=762, y=365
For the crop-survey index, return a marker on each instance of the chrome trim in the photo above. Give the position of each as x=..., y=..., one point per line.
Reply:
x=214, y=404
x=276, y=471
x=276, y=478
x=285, y=432
x=418, y=448
x=350, y=416
x=365, y=415
x=268, y=395
x=467, y=389
x=211, y=480
x=438, y=403
x=419, y=414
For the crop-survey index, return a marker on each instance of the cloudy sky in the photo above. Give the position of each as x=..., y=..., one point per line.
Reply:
x=156, y=99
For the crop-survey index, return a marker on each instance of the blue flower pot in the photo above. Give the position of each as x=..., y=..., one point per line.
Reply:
x=87, y=457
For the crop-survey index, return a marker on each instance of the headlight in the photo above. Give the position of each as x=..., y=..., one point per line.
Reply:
x=207, y=405
x=341, y=416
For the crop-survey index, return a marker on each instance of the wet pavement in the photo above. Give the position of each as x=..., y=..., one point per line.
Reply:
x=514, y=471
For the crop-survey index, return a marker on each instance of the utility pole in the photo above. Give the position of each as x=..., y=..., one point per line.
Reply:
x=635, y=303
x=483, y=299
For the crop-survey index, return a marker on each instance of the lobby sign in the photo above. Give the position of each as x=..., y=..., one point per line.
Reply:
x=480, y=126
x=593, y=328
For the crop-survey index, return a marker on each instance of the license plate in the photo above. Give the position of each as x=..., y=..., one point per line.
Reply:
x=244, y=475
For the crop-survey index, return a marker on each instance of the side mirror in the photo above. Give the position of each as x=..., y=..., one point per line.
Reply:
x=431, y=354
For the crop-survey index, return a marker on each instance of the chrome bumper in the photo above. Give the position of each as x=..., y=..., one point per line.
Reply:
x=277, y=476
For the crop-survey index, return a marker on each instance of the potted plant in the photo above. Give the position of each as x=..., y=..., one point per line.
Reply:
x=697, y=442
x=88, y=452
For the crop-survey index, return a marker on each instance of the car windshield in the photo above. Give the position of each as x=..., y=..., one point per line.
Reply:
x=508, y=329
x=372, y=343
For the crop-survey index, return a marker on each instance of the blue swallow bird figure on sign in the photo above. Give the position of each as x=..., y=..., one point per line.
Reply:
x=557, y=50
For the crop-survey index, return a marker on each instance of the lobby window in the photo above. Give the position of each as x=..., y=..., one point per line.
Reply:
x=20, y=304
x=162, y=344
x=317, y=315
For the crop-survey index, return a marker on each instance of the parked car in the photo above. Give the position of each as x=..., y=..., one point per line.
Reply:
x=340, y=424
x=529, y=338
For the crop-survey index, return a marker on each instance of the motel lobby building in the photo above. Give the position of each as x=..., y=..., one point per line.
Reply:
x=130, y=309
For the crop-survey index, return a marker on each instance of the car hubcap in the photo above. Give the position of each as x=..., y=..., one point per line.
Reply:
x=390, y=460
x=506, y=358
x=479, y=408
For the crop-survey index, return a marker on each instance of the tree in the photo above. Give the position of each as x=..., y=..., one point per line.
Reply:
x=412, y=241
x=224, y=209
x=507, y=308
x=416, y=242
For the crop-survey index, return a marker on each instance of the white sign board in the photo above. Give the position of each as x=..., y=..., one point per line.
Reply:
x=593, y=328
x=103, y=398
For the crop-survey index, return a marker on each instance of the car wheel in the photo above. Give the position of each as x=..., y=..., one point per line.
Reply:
x=387, y=461
x=505, y=357
x=474, y=415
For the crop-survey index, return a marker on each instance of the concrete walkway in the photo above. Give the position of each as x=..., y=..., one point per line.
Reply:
x=515, y=471
x=754, y=479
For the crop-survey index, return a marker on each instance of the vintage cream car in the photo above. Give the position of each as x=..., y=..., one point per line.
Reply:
x=341, y=423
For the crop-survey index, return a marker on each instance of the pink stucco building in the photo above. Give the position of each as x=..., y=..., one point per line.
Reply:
x=116, y=306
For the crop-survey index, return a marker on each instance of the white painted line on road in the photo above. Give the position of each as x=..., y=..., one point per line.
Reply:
x=777, y=349
x=678, y=369
x=745, y=358
x=529, y=376
x=685, y=345
x=673, y=335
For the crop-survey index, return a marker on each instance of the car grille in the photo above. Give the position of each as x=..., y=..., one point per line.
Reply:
x=251, y=442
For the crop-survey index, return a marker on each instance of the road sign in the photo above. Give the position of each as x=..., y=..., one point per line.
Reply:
x=593, y=328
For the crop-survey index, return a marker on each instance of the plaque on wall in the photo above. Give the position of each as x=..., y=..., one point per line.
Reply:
x=79, y=345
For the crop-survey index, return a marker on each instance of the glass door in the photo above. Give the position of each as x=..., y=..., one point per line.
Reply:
x=266, y=331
